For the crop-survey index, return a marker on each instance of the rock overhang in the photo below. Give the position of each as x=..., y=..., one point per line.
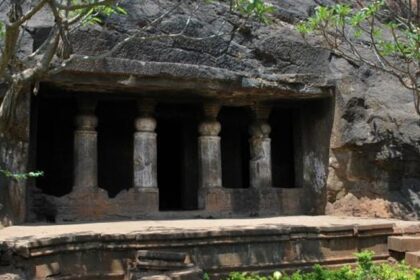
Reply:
x=261, y=62
x=124, y=76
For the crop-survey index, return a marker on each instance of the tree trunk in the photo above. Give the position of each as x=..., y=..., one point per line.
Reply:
x=14, y=151
x=9, y=108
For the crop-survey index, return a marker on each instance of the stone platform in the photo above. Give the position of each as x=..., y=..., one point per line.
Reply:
x=218, y=246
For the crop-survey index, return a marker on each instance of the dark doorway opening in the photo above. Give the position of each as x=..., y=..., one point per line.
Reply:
x=177, y=148
x=235, y=122
x=54, y=154
x=115, y=145
x=282, y=147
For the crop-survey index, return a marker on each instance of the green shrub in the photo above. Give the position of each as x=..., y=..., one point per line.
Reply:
x=364, y=270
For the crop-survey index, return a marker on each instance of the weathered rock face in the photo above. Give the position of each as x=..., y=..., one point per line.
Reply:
x=375, y=145
x=256, y=48
x=375, y=151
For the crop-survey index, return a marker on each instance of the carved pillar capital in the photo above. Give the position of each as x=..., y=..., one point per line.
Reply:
x=209, y=128
x=260, y=129
x=145, y=124
x=86, y=119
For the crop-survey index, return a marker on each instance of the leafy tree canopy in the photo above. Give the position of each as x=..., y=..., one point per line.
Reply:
x=383, y=34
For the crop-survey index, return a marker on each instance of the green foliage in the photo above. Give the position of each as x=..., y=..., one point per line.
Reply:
x=96, y=14
x=393, y=41
x=250, y=8
x=21, y=176
x=344, y=23
x=257, y=8
x=2, y=30
x=365, y=269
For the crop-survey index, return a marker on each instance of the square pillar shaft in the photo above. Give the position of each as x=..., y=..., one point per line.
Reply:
x=145, y=160
x=210, y=160
x=85, y=148
x=260, y=163
x=260, y=149
x=145, y=147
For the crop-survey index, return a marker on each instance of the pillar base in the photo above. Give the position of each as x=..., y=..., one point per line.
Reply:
x=253, y=202
x=135, y=203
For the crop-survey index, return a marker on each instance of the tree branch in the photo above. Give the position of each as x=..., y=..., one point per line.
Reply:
x=75, y=7
x=29, y=15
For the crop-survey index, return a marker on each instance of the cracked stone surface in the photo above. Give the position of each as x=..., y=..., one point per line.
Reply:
x=25, y=234
x=374, y=166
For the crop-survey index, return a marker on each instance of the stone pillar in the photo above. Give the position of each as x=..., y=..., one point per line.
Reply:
x=85, y=148
x=145, y=150
x=260, y=149
x=209, y=151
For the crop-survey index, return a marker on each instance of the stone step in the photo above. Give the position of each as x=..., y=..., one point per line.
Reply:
x=150, y=260
x=413, y=258
x=406, y=243
x=162, y=255
x=162, y=265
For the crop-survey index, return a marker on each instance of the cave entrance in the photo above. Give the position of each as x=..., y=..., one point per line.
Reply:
x=115, y=145
x=177, y=156
x=54, y=142
x=283, y=146
x=235, y=146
